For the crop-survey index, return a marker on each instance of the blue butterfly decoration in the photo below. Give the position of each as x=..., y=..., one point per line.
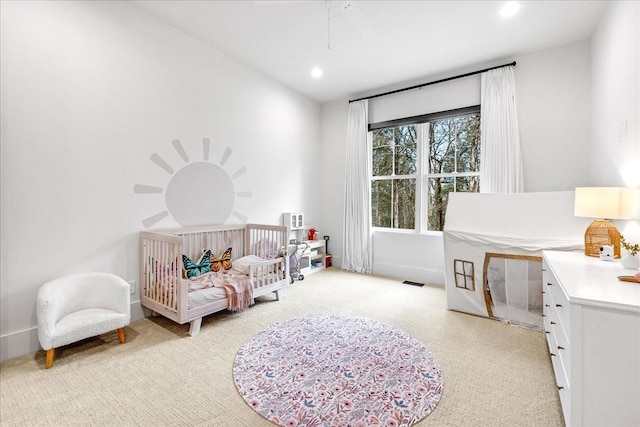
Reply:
x=194, y=269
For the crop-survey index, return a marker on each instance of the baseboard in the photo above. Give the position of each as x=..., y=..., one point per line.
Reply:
x=26, y=341
x=18, y=344
x=414, y=274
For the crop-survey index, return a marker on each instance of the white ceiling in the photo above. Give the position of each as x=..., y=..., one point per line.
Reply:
x=372, y=44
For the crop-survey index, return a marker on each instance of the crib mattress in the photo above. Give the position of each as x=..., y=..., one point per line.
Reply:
x=205, y=296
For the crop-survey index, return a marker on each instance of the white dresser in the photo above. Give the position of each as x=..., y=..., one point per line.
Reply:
x=592, y=327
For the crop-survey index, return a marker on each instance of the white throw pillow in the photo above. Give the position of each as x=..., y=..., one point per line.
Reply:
x=242, y=265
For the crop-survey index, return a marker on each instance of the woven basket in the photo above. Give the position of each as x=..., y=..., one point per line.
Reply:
x=599, y=233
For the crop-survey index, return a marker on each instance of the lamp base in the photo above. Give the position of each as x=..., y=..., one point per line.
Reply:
x=599, y=233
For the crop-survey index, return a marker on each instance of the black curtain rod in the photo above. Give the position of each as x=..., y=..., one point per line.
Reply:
x=512, y=64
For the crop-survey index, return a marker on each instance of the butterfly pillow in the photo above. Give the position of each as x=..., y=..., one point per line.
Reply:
x=222, y=263
x=195, y=269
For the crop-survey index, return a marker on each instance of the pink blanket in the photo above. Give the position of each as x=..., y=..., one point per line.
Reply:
x=237, y=286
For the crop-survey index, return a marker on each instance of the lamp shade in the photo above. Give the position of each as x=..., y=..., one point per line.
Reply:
x=604, y=202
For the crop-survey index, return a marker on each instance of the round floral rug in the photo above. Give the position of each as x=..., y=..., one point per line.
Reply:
x=335, y=370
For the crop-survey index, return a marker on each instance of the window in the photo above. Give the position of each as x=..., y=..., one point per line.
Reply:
x=417, y=162
x=464, y=275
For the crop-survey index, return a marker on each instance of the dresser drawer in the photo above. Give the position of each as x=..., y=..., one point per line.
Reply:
x=557, y=342
x=560, y=360
x=562, y=380
x=557, y=313
x=556, y=322
x=559, y=302
x=564, y=389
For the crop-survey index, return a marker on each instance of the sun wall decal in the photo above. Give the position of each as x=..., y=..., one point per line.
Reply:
x=199, y=192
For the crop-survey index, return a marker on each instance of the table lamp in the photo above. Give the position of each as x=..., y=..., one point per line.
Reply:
x=603, y=203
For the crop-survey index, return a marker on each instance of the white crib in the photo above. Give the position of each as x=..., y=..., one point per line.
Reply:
x=165, y=292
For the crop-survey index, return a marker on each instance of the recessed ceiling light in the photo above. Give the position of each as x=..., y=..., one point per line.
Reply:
x=316, y=72
x=510, y=8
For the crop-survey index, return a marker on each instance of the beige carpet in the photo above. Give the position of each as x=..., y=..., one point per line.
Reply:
x=494, y=374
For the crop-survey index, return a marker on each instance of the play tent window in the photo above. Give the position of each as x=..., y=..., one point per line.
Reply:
x=464, y=274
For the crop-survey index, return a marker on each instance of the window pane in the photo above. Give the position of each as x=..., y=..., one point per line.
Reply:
x=393, y=203
x=454, y=144
x=442, y=148
x=438, y=196
x=405, y=203
x=383, y=152
x=381, y=211
x=468, y=184
x=469, y=143
x=406, y=150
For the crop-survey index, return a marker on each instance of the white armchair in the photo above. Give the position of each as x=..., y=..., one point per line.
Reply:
x=80, y=306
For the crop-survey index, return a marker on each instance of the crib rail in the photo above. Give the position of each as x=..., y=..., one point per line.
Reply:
x=218, y=238
x=267, y=273
x=266, y=241
x=160, y=271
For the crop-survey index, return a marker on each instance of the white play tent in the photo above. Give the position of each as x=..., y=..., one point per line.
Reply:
x=497, y=240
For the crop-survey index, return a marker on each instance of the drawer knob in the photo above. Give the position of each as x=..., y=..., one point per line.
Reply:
x=560, y=347
x=547, y=305
x=543, y=292
x=553, y=323
x=547, y=332
x=549, y=284
x=551, y=354
x=558, y=305
x=560, y=387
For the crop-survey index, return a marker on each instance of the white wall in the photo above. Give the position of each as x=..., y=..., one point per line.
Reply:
x=330, y=188
x=615, y=153
x=615, y=147
x=89, y=91
x=553, y=89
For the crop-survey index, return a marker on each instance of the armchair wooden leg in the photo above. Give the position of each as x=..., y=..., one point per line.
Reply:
x=121, y=335
x=49, y=359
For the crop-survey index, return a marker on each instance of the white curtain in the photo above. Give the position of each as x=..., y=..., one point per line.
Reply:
x=501, y=158
x=357, y=254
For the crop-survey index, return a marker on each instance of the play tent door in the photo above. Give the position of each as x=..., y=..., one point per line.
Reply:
x=512, y=288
